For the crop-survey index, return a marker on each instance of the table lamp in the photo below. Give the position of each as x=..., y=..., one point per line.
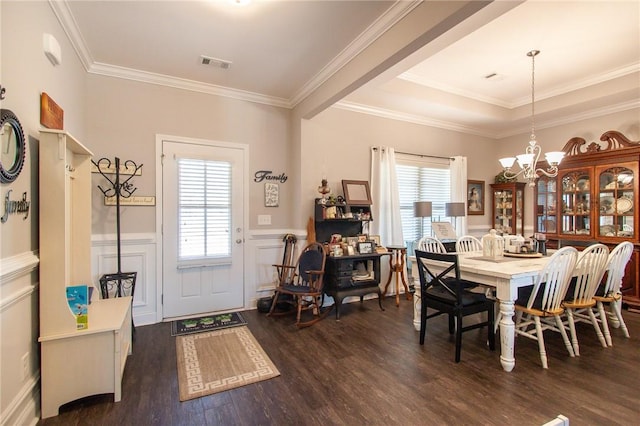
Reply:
x=422, y=209
x=455, y=210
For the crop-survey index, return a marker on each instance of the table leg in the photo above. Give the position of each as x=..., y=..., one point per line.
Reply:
x=507, y=335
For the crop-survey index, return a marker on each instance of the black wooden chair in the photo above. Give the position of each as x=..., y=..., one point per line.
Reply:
x=304, y=282
x=446, y=293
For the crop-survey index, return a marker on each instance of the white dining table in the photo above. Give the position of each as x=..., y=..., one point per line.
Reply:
x=506, y=275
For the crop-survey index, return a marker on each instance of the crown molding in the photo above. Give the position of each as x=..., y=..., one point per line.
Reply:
x=70, y=27
x=394, y=14
x=540, y=95
x=185, y=84
x=411, y=118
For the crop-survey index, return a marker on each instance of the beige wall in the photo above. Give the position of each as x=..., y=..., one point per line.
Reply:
x=337, y=143
x=25, y=72
x=124, y=117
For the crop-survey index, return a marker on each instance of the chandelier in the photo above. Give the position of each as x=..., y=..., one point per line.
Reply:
x=528, y=161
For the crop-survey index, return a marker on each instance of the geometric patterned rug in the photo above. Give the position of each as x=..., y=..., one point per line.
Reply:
x=220, y=360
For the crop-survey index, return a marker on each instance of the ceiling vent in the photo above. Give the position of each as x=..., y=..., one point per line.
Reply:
x=214, y=62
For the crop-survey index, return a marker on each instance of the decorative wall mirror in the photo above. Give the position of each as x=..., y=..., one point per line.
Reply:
x=12, y=146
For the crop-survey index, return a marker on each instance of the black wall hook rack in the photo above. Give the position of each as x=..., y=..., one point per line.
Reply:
x=124, y=282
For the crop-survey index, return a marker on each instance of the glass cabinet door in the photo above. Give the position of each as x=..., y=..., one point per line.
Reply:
x=546, y=218
x=616, y=200
x=576, y=202
x=508, y=204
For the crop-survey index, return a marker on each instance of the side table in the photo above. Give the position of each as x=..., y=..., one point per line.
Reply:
x=397, y=255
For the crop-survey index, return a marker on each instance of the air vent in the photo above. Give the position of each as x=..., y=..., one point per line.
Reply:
x=214, y=62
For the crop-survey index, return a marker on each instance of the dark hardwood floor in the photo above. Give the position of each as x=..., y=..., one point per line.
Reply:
x=368, y=368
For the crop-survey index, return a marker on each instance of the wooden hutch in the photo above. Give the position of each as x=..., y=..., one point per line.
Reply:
x=595, y=198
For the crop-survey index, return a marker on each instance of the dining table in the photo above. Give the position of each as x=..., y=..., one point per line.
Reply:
x=506, y=274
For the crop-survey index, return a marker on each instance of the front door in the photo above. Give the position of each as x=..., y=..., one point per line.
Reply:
x=202, y=226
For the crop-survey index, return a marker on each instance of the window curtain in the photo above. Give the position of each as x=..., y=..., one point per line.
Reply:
x=387, y=221
x=458, y=168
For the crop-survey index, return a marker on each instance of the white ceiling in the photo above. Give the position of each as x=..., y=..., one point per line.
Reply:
x=280, y=51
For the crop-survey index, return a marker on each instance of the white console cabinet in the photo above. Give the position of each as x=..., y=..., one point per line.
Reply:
x=74, y=363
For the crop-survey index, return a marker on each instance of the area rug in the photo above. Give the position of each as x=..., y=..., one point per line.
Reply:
x=206, y=323
x=220, y=360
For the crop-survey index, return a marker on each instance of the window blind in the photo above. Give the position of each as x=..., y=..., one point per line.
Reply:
x=421, y=179
x=204, y=209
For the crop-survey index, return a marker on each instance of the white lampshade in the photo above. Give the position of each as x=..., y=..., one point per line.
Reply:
x=454, y=209
x=554, y=157
x=422, y=209
x=525, y=160
x=507, y=162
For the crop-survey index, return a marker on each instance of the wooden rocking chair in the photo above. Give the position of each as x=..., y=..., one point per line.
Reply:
x=305, y=284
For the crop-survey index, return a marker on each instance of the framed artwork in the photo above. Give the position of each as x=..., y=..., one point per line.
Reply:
x=356, y=192
x=375, y=239
x=365, y=248
x=475, y=197
x=271, y=195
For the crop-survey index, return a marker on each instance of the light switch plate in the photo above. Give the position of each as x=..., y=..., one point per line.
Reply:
x=264, y=219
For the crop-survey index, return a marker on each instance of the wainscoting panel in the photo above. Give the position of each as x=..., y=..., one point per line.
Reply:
x=20, y=375
x=265, y=249
x=138, y=254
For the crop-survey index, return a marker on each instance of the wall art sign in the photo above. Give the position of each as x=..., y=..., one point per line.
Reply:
x=13, y=207
x=271, y=195
x=262, y=175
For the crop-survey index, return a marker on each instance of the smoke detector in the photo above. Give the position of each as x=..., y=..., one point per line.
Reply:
x=215, y=62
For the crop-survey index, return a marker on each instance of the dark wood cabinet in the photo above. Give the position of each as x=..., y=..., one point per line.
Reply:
x=345, y=276
x=356, y=275
x=595, y=198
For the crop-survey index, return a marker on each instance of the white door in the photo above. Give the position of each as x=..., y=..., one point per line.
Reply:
x=202, y=227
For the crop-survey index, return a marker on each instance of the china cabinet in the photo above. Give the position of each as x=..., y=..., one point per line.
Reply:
x=74, y=363
x=594, y=198
x=507, y=207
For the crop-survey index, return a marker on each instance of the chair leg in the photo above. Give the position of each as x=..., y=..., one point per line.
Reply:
x=273, y=303
x=543, y=352
x=423, y=322
x=491, y=330
x=452, y=324
x=605, y=325
x=299, y=302
x=594, y=321
x=563, y=332
x=458, y=336
x=572, y=328
x=615, y=307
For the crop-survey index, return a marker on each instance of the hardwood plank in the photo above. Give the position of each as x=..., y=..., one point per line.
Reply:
x=368, y=368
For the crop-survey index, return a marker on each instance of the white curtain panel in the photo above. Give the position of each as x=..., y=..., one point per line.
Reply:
x=458, y=168
x=387, y=221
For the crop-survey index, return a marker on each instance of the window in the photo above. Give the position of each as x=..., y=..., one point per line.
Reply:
x=421, y=179
x=204, y=210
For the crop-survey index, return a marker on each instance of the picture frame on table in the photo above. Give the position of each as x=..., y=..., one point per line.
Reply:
x=475, y=197
x=375, y=239
x=365, y=247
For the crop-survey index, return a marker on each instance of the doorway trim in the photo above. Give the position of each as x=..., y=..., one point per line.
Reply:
x=159, y=207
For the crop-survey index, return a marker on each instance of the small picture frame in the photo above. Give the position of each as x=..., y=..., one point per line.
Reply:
x=375, y=239
x=362, y=238
x=475, y=197
x=271, y=195
x=357, y=192
x=365, y=247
